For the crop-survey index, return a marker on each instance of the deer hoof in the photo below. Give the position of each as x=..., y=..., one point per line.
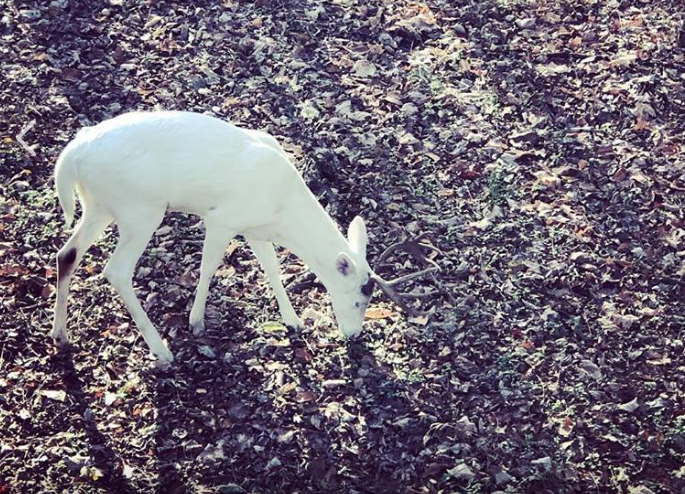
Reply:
x=60, y=338
x=198, y=328
x=294, y=322
x=164, y=357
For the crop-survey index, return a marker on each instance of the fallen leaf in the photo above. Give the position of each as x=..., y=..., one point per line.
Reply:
x=273, y=327
x=624, y=60
x=229, y=489
x=207, y=351
x=629, y=407
x=333, y=383
x=462, y=471
x=545, y=462
x=305, y=397
x=378, y=313
x=303, y=355
x=566, y=427
x=590, y=368
x=57, y=395
x=525, y=23
x=641, y=123
x=364, y=68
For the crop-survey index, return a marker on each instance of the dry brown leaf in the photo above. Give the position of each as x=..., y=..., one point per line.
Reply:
x=566, y=427
x=378, y=313
x=305, y=396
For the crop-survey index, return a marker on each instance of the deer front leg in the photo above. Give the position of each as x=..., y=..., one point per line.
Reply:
x=216, y=240
x=265, y=253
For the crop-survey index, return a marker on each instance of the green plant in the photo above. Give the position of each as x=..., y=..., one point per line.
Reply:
x=498, y=189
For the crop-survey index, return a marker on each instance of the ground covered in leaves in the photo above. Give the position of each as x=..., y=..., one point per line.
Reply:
x=540, y=146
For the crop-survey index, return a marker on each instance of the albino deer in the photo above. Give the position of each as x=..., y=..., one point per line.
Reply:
x=133, y=168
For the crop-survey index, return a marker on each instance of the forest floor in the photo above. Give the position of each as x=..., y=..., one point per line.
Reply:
x=539, y=145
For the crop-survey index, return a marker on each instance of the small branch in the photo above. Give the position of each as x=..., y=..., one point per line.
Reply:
x=409, y=277
x=392, y=295
x=429, y=294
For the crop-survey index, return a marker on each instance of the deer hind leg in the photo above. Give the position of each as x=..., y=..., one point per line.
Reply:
x=134, y=235
x=217, y=238
x=265, y=253
x=90, y=227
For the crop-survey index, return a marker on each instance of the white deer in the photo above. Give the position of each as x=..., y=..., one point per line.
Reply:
x=133, y=168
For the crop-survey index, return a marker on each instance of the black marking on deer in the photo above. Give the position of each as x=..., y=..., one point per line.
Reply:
x=343, y=266
x=367, y=288
x=65, y=262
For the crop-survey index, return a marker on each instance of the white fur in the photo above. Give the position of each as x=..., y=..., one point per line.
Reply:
x=133, y=168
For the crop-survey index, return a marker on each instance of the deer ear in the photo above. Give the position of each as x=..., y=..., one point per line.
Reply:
x=357, y=237
x=345, y=265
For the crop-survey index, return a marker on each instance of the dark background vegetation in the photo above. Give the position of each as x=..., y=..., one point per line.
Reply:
x=540, y=145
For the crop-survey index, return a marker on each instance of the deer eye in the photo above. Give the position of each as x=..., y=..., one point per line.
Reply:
x=367, y=288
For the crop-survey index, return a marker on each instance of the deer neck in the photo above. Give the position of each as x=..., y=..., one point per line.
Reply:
x=309, y=232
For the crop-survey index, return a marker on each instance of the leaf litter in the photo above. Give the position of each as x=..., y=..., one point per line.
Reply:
x=538, y=143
